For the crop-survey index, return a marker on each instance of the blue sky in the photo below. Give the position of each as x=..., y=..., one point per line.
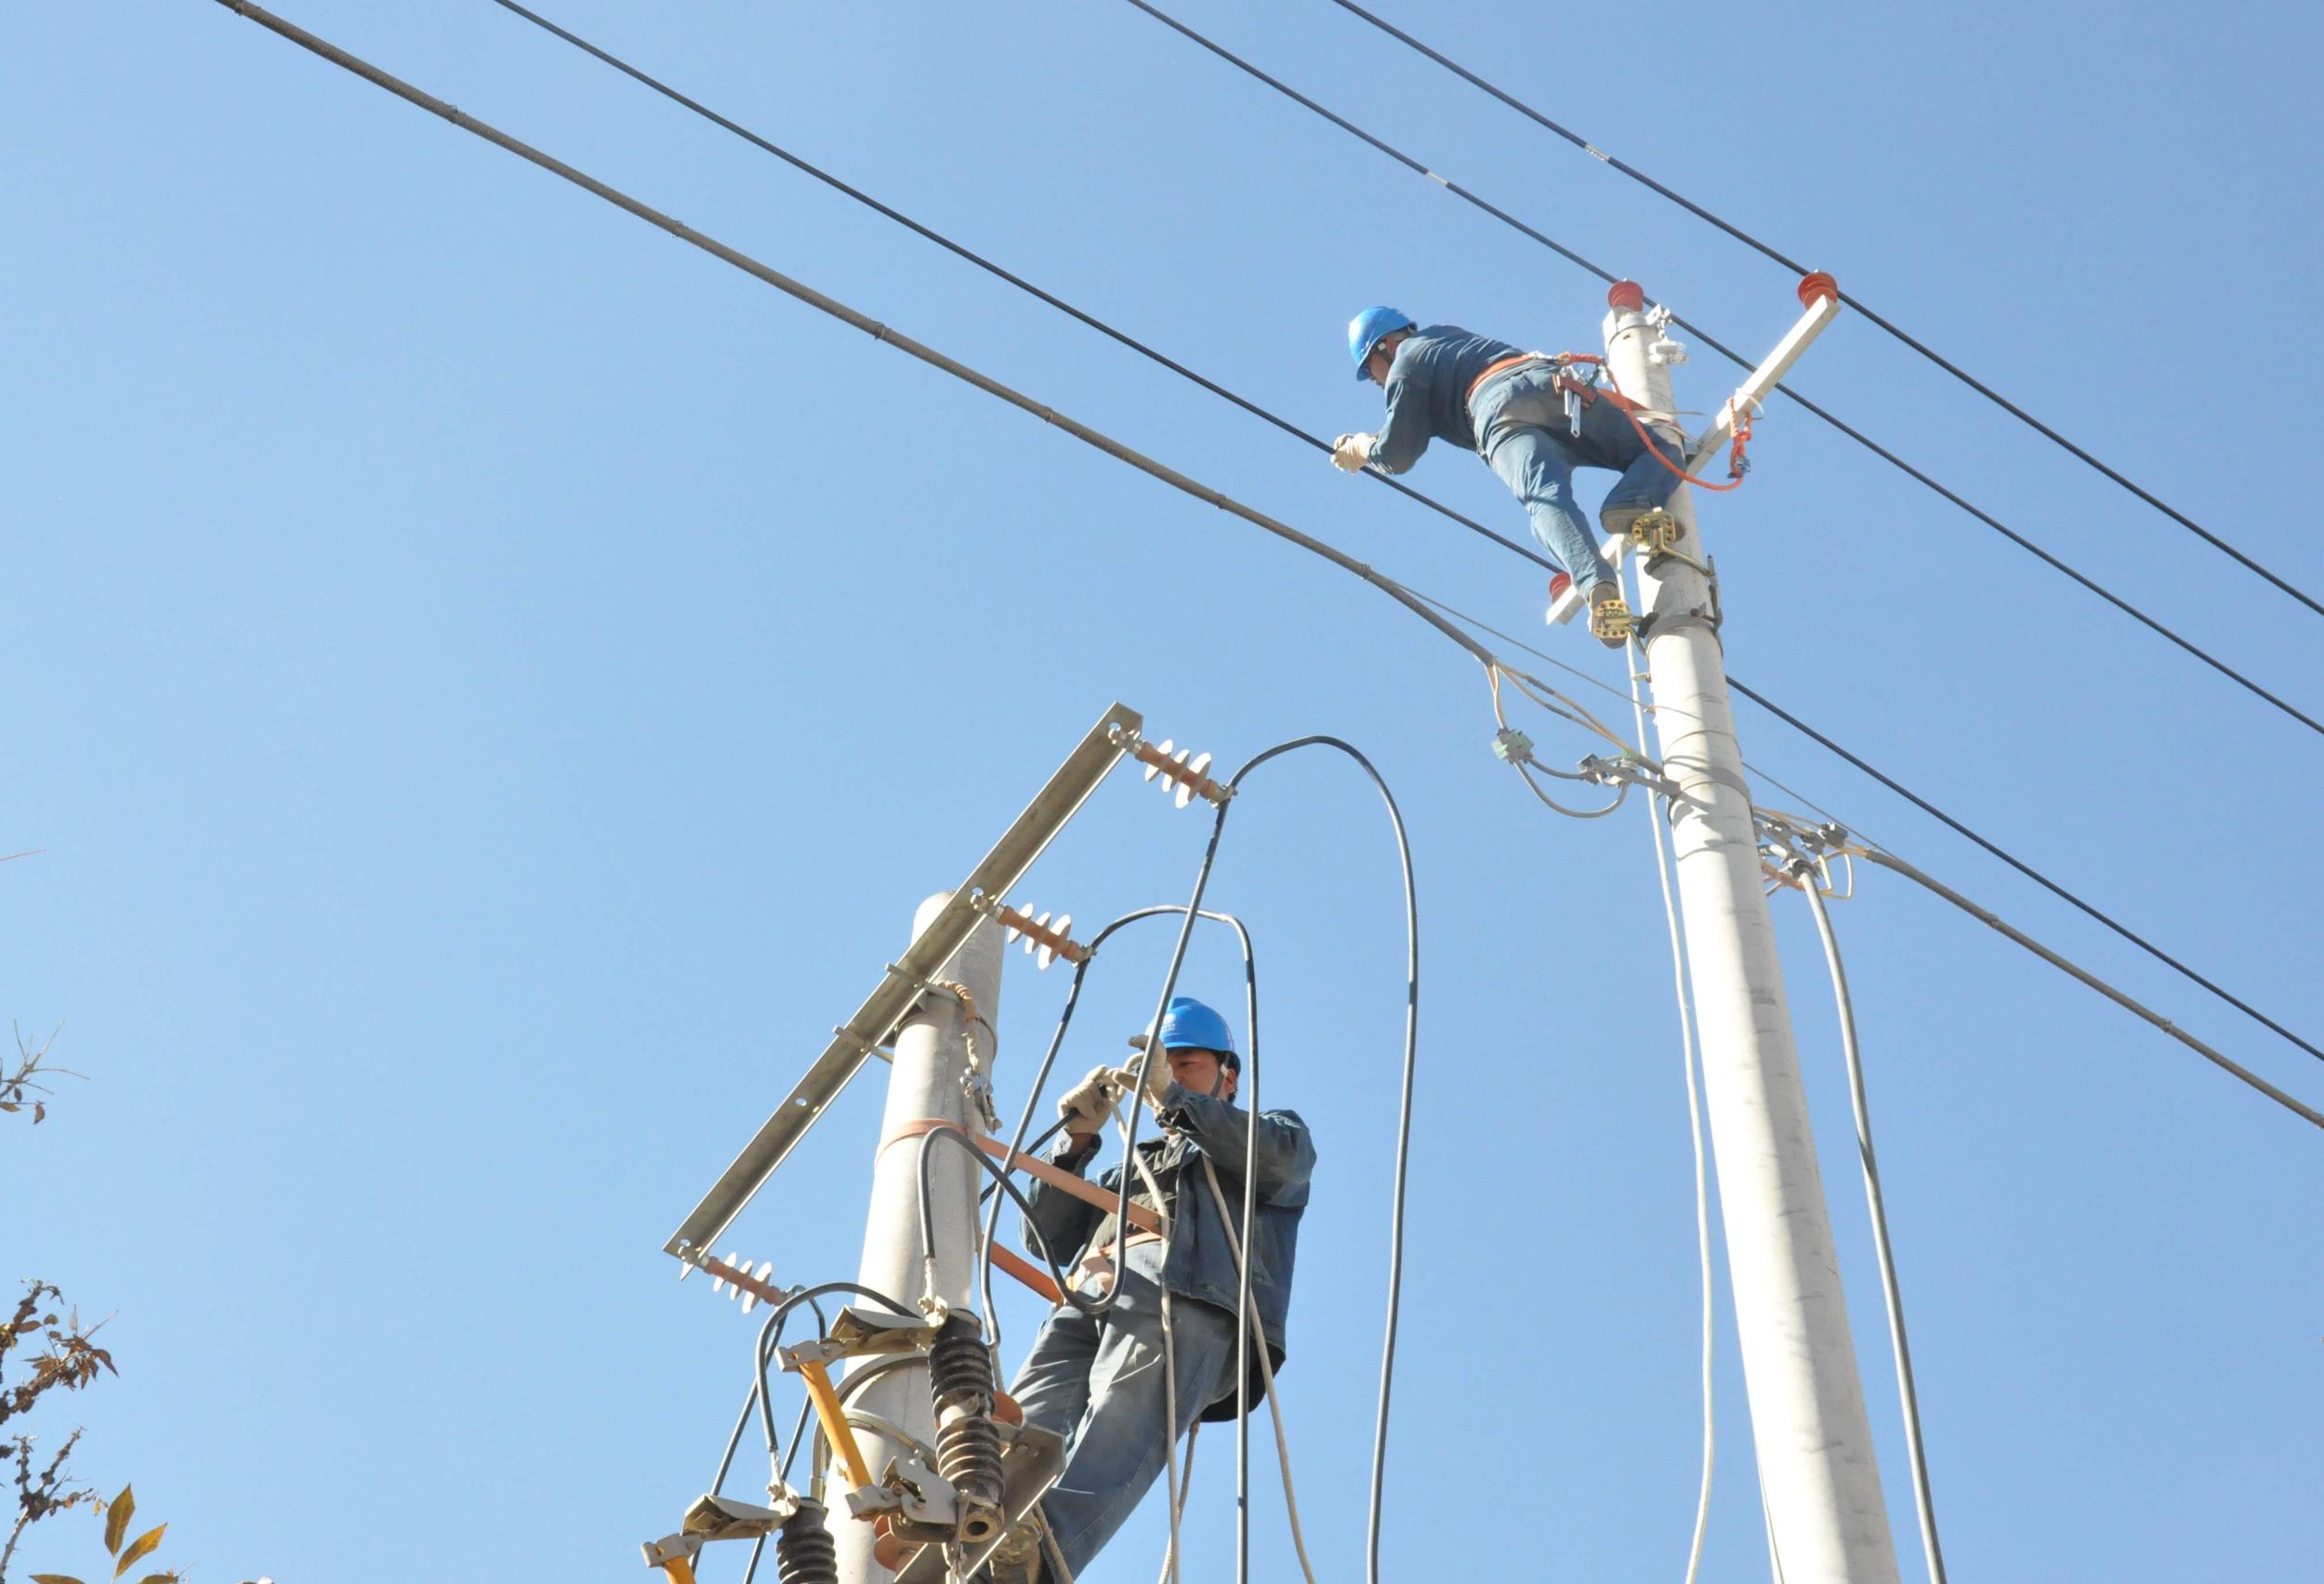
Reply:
x=490, y=685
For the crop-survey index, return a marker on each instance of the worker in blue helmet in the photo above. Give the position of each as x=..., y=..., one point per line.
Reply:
x=1532, y=422
x=1097, y=1380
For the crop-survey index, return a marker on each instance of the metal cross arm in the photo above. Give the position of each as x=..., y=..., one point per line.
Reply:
x=899, y=989
x=1823, y=307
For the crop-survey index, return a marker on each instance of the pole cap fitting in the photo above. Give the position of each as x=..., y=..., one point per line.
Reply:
x=1817, y=285
x=1626, y=295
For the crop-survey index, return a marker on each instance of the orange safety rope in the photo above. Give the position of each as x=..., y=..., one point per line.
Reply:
x=1630, y=409
x=1056, y=1177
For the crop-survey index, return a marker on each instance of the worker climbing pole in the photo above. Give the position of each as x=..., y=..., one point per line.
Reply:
x=1534, y=420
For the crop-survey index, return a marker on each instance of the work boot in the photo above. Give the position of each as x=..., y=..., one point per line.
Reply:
x=1610, y=620
x=1615, y=519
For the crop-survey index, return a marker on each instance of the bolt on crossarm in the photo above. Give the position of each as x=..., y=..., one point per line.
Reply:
x=1827, y=1519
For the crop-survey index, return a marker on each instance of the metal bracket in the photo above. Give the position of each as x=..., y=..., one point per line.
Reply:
x=890, y=1001
x=713, y=1517
x=920, y=1504
x=861, y=1333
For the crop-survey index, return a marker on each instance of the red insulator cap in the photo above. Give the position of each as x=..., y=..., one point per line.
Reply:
x=1816, y=286
x=1559, y=583
x=1628, y=295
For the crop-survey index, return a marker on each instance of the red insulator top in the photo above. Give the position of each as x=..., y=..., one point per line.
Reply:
x=1626, y=295
x=1816, y=286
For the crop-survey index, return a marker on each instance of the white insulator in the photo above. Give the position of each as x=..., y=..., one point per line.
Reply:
x=750, y=1300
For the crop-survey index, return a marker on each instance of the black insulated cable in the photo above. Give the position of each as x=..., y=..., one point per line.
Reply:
x=1878, y=320
x=1001, y=272
x=1223, y=393
x=2044, y=881
x=1735, y=358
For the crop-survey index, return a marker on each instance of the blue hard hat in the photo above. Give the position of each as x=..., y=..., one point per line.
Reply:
x=1366, y=329
x=1187, y=1024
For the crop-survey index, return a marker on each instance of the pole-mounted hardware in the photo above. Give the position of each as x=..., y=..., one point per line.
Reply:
x=803, y=1549
x=733, y=1277
x=1821, y=301
x=984, y=1472
x=1186, y=777
x=1044, y=942
x=892, y=1000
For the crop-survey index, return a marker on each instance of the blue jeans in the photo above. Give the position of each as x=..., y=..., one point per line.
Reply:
x=1099, y=1383
x=1521, y=430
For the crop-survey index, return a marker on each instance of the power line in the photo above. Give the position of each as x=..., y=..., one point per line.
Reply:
x=1735, y=357
x=1403, y=595
x=1914, y=343
x=1121, y=337
x=2044, y=881
x=998, y=271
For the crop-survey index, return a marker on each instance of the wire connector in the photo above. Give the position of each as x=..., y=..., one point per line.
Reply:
x=1513, y=746
x=1663, y=351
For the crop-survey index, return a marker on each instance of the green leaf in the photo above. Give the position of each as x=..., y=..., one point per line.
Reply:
x=117, y=1513
x=140, y=1549
x=54, y=1578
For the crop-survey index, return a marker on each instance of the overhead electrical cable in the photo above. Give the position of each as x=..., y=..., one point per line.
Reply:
x=831, y=306
x=1737, y=358
x=1003, y=273
x=1291, y=428
x=879, y=332
x=1862, y=309
x=2044, y=881
x=1982, y=916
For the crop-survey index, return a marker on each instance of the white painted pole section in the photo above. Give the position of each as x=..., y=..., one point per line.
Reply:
x=931, y=1054
x=1829, y=1522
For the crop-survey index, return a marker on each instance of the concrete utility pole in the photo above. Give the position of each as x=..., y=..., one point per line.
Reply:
x=1829, y=1522
x=932, y=1056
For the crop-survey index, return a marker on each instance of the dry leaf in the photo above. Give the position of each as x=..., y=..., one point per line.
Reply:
x=117, y=1512
x=140, y=1549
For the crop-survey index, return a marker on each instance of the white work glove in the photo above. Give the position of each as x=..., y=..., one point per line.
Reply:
x=1157, y=1079
x=1351, y=452
x=1086, y=1106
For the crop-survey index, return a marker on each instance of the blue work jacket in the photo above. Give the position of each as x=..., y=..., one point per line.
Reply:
x=1197, y=1262
x=1427, y=392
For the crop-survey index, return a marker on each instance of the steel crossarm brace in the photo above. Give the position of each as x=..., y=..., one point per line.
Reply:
x=892, y=999
x=1753, y=390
